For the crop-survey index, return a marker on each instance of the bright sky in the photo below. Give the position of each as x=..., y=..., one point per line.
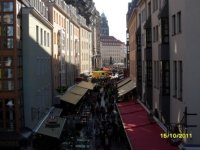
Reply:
x=115, y=11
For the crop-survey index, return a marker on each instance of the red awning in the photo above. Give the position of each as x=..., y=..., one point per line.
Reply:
x=142, y=133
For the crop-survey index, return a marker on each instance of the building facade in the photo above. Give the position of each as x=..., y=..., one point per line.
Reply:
x=131, y=39
x=166, y=43
x=74, y=39
x=35, y=61
x=37, y=71
x=59, y=13
x=184, y=59
x=112, y=51
x=85, y=47
x=11, y=76
x=25, y=70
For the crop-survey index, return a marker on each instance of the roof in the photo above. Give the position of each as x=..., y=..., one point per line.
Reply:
x=78, y=90
x=52, y=131
x=71, y=97
x=87, y=85
x=123, y=82
x=110, y=39
x=53, y=125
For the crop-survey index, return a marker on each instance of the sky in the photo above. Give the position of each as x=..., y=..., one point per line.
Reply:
x=115, y=11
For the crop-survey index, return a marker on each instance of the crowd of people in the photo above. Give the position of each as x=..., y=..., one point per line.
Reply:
x=106, y=121
x=103, y=127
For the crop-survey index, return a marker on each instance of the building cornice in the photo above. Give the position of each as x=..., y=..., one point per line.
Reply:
x=74, y=22
x=85, y=27
x=133, y=13
x=140, y=2
x=35, y=13
x=65, y=13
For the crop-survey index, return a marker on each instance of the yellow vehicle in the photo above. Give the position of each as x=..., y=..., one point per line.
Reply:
x=100, y=74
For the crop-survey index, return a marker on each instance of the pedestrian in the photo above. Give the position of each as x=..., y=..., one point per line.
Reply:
x=106, y=143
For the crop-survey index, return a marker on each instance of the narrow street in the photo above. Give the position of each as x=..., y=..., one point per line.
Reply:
x=98, y=125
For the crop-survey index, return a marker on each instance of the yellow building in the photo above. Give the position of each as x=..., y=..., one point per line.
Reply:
x=58, y=15
x=132, y=27
x=85, y=47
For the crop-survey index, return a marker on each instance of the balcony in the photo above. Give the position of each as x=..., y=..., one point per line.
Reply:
x=163, y=51
x=147, y=24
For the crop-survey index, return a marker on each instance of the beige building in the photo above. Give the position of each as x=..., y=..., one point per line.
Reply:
x=58, y=15
x=132, y=27
x=66, y=40
x=85, y=47
x=74, y=38
x=112, y=51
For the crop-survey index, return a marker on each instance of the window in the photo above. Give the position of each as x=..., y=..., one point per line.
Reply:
x=9, y=30
x=54, y=16
x=37, y=34
x=174, y=79
x=156, y=74
x=180, y=79
x=8, y=85
x=166, y=77
x=8, y=61
x=8, y=73
x=143, y=38
x=173, y=24
x=179, y=22
x=48, y=39
x=8, y=18
x=45, y=39
x=154, y=33
x=10, y=43
x=41, y=36
x=157, y=33
x=143, y=15
x=7, y=6
x=139, y=19
x=155, y=5
x=148, y=38
x=165, y=30
x=54, y=38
